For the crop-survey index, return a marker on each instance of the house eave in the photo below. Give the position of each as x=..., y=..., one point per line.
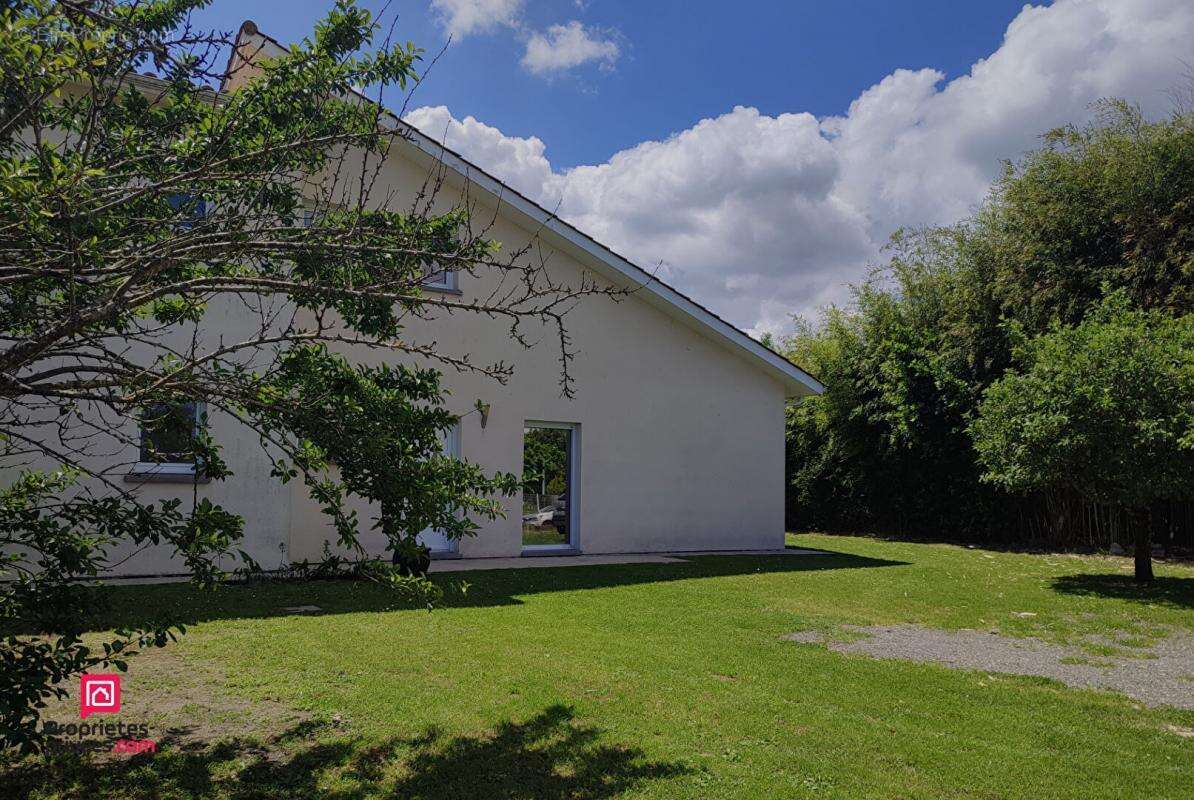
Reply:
x=795, y=381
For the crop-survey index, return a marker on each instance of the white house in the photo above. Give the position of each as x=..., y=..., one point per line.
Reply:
x=673, y=442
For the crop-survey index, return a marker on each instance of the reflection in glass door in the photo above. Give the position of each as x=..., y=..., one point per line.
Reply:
x=548, y=496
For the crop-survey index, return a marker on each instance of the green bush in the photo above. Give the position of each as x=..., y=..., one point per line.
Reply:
x=1104, y=408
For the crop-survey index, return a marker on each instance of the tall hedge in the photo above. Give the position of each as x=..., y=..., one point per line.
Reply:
x=1107, y=207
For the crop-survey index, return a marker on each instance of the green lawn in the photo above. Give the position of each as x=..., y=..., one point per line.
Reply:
x=646, y=681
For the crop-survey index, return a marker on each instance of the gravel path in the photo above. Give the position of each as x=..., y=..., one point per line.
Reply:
x=1166, y=679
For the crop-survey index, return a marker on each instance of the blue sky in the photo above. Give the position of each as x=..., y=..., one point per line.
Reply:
x=679, y=60
x=758, y=155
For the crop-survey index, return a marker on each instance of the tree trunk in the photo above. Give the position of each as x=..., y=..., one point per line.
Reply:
x=1143, y=523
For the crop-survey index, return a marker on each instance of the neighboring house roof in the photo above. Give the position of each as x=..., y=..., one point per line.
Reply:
x=796, y=381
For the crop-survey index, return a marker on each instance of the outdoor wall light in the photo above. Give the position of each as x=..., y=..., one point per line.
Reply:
x=483, y=410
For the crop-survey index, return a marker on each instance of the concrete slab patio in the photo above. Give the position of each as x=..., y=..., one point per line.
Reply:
x=580, y=560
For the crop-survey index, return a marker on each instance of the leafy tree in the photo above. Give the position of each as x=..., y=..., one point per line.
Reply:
x=1107, y=204
x=1102, y=208
x=886, y=445
x=386, y=444
x=1105, y=408
x=135, y=212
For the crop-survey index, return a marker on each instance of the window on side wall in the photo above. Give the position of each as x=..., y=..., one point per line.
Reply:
x=190, y=208
x=168, y=432
x=442, y=280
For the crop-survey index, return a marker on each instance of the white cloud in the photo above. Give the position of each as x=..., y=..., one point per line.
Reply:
x=518, y=162
x=563, y=47
x=463, y=17
x=759, y=217
x=555, y=50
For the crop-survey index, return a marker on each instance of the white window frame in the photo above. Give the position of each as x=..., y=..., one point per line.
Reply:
x=169, y=467
x=573, y=543
x=448, y=279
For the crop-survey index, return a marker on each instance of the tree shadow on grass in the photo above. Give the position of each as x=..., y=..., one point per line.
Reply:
x=181, y=603
x=1167, y=591
x=549, y=756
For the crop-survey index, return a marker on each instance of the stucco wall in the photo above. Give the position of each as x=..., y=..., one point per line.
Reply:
x=261, y=501
x=681, y=436
x=681, y=443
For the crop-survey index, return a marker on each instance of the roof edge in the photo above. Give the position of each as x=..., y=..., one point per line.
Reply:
x=792, y=375
x=797, y=381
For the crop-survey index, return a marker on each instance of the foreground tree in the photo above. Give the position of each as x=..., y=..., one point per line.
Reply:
x=1104, y=408
x=132, y=208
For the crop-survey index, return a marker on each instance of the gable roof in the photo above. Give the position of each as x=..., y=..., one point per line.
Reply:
x=795, y=380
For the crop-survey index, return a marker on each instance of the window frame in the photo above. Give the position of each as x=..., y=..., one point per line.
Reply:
x=573, y=543
x=450, y=281
x=183, y=468
x=178, y=200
